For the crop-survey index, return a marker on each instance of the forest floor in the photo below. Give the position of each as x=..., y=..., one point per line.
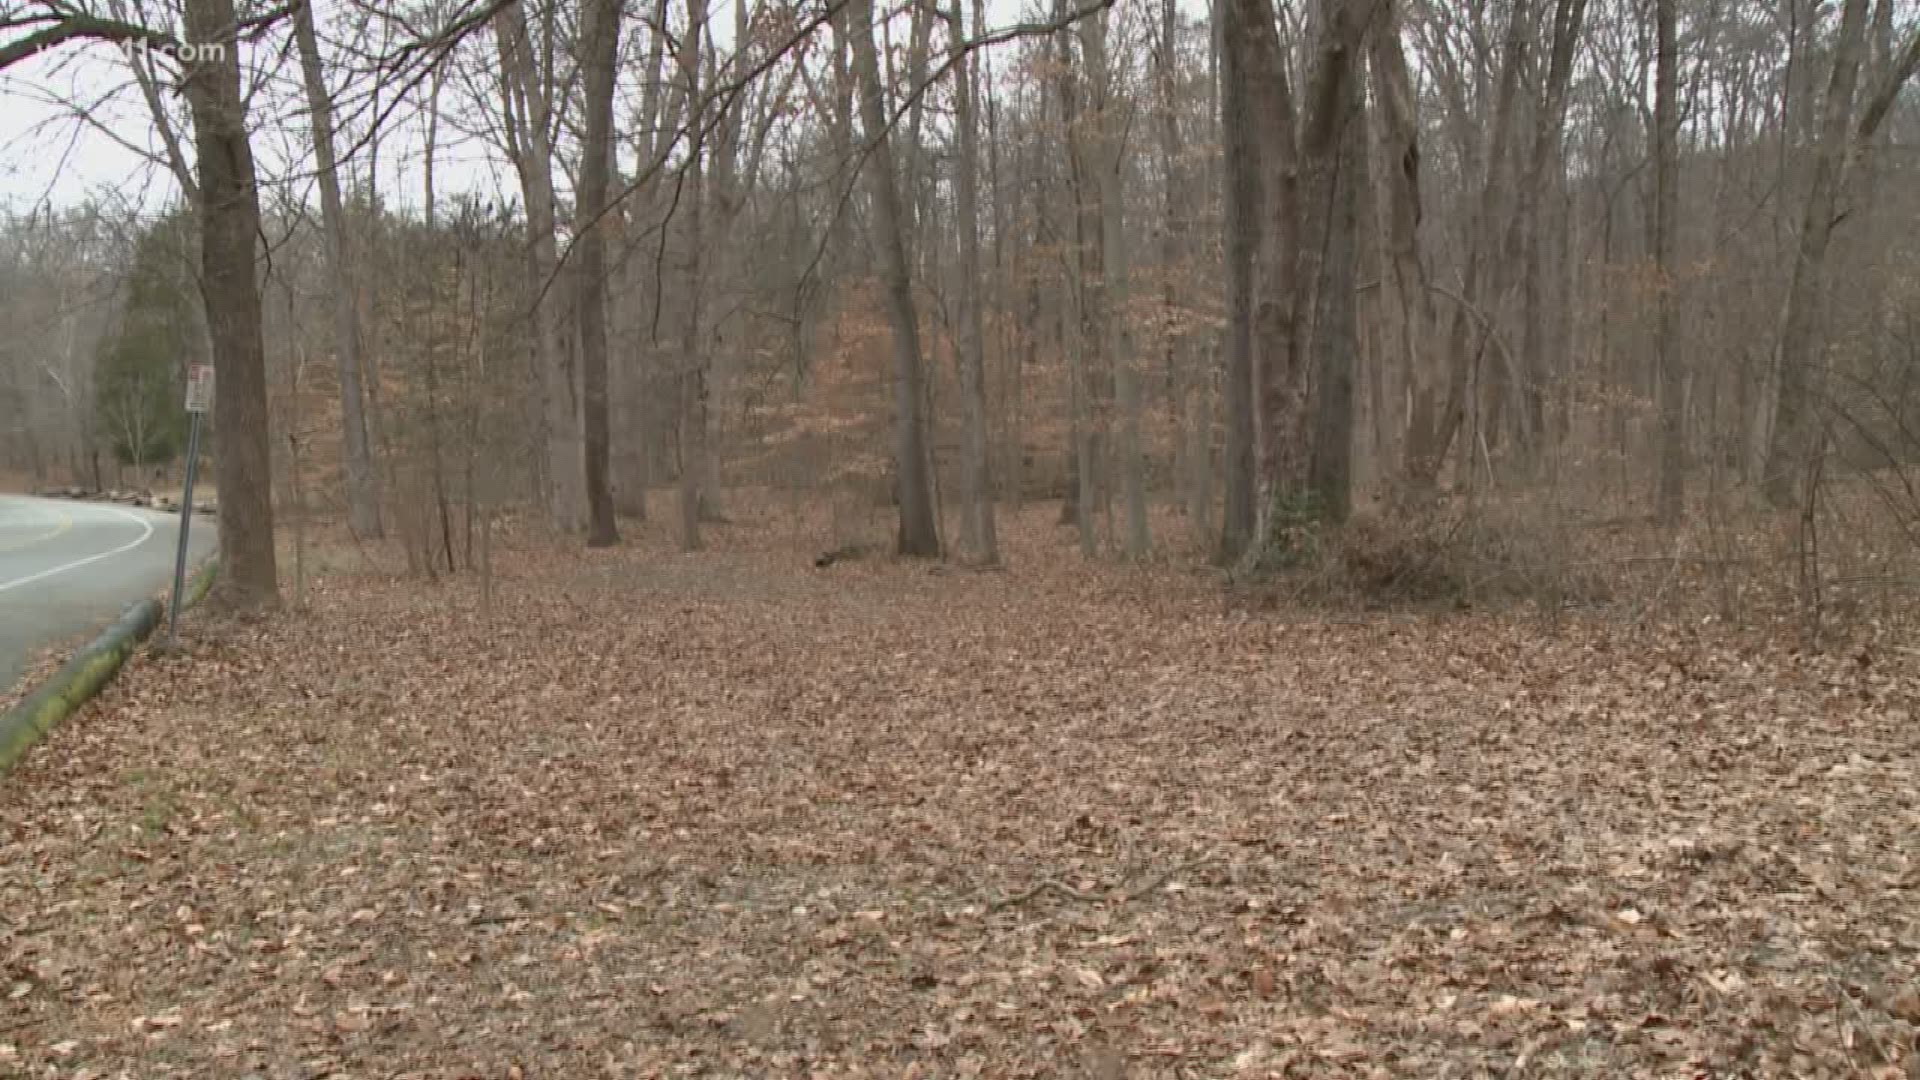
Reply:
x=727, y=815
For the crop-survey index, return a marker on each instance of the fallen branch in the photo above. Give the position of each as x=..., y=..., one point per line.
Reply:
x=1049, y=885
x=22, y=1025
x=1068, y=892
x=502, y=918
x=1154, y=884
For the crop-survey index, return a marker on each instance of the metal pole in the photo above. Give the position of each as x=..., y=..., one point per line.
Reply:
x=186, y=524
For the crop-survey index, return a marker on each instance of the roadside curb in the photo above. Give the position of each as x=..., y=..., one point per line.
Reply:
x=90, y=669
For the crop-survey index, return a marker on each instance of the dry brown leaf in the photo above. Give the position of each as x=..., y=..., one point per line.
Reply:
x=664, y=803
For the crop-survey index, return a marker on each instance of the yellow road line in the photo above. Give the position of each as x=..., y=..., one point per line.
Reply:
x=146, y=534
x=21, y=545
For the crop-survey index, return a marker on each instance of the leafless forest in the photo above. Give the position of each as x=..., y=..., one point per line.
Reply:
x=1097, y=538
x=1355, y=281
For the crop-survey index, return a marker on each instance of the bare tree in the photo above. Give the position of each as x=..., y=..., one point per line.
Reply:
x=913, y=488
x=1794, y=438
x=691, y=371
x=361, y=480
x=1544, y=172
x=1431, y=437
x=1082, y=314
x=1333, y=154
x=528, y=99
x=1666, y=202
x=1398, y=130
x=1279, y=398
x=1448, y=251
x=1243, y=226
x=230, y=226
x=1192, y=454
x=599, y=49
x=1109, y=160
x=977, y=534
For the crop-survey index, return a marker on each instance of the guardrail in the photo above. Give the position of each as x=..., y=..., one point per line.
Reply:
x=86, y=672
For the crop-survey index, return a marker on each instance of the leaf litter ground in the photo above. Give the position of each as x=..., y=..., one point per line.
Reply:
x=723, y=815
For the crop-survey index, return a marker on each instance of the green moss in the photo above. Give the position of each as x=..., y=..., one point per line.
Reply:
x=74, y=684
x=202, y=582
x=1293, y=531
x=89, y=670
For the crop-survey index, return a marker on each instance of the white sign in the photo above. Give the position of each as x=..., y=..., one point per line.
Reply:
x=199, y=387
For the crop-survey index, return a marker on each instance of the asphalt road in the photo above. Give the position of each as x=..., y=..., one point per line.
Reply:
x=69, y=567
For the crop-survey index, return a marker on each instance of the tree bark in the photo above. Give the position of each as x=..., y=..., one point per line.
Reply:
x=1666, y=203
x=1188, y=403
x=1400, y=210
x=1280, y=457
x=230, y=226
x=690, y=379
x=1791, y=444
x=361, y=481
x=1085, y=299
x=1115, y=273
x=600, y=33
x=527, y=95
x=918, y=535
x=642, y=432
x=1243, y=225
x=1429, y=444
x=1335, y=150
x=978, y=535
x=1569, y=17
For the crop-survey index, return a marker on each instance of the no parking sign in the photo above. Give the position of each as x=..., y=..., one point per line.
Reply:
x=199, y=398
x=199, y=387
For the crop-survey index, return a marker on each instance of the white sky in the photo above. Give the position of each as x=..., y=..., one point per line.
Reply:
x=48, y=155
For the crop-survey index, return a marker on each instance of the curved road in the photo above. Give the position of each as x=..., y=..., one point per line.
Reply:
x=68, y=567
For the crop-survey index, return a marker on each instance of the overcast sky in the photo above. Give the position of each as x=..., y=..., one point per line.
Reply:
x=49, y=155
x=45, y=154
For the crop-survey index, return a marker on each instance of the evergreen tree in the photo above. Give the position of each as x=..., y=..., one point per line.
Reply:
x=138, y=378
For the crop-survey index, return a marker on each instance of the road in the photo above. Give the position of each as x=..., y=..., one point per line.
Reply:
x=69, y=567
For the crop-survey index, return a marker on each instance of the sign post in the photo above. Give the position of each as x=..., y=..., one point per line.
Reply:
x=199, y=398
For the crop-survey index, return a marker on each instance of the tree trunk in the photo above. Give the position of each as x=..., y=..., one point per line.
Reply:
x=1109, y=163
x=1569, y=17
x=1400, y=210
x=1336, y=148
x=978, y=535
x=1666, y=203
x=641, y=431
x=1280, y=457
x=1189, y=377
x=600, y=33
x=1791, y=445
x=918, y=535
x=1430, y=442
x=690, y=379
x=230, y=226
x=529, y=124
x=361, y=481
x=1801, y=373
x=917, y=194
x=1003, y=462
x=1242, y=198
x=840, y=249
x=1094, y=322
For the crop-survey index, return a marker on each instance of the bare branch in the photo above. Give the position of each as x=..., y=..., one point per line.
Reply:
x=78, y=27
x=1889, y=89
